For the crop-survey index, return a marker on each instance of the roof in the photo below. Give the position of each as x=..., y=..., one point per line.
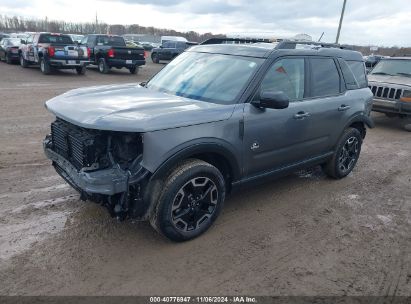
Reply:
x=265, y=50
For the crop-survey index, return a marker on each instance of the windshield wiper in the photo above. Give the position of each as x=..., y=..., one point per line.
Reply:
x=404, y=74
x=381, y=73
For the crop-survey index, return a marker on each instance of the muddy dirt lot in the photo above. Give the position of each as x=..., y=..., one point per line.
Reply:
x=302, y=235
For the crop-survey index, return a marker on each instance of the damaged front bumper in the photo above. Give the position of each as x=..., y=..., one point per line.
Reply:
x=108, y=181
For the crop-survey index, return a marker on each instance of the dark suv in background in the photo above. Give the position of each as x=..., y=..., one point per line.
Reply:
x=169, y=50
x=217, y=117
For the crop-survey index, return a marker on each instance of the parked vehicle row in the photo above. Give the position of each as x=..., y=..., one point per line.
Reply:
x=52, y=51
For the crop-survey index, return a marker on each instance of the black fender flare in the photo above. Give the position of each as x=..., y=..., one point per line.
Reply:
x=201, y=148
x=361, y=118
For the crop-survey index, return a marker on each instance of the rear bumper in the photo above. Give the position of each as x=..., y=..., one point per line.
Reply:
x=68, y=63
x=123, y=63
x=391, y=106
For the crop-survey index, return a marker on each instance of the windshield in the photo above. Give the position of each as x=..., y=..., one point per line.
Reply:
x=393, y=67
x=207, y=77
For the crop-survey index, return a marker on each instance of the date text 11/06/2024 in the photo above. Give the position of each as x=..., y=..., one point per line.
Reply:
x=236, y=299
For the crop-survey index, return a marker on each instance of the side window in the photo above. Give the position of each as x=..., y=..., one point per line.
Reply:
x=30, y=39
x=351, y=82
x=325, y=77
x=286, y=75
x=358, y=69
x=84, y=40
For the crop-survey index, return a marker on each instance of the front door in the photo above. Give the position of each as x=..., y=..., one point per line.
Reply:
x=275, y=138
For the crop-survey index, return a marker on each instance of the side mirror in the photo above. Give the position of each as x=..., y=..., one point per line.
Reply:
x=272, y=100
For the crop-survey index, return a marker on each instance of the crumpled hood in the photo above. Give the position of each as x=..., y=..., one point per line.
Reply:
x=395, y=80
x=132, y=108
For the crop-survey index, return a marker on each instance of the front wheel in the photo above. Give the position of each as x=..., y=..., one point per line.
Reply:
x=346, y=154
x=192, y=197
x=155, y=58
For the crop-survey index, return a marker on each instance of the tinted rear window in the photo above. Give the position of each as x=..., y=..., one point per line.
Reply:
x=358, y=69
x=325, y=77
x=111, y=41
x=55, y=39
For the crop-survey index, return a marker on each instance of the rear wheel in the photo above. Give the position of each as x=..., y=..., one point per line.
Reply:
x=133, y=70
x=23, y=62
x=103, y=66
x=81, y=70
x=346, y=154
x=192, y=198
x=45, y=66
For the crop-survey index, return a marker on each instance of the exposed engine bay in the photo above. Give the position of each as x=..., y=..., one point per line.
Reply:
x=104, y=166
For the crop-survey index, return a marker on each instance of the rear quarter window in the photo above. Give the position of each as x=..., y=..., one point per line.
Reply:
x=325, y=79
x=358, y=69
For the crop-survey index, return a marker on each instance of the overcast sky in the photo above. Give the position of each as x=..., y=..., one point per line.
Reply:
x=367, y=22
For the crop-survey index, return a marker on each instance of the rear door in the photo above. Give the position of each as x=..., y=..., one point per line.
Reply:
x=329, y=103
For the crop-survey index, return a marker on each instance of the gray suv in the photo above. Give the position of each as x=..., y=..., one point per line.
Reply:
x=217, y=117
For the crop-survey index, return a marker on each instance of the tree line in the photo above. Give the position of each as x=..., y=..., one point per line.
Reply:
x=19, y=24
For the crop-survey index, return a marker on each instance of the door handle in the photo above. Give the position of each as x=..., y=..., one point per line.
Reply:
x=344, y=108
x=301, y=115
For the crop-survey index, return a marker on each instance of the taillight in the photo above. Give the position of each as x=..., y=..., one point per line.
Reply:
x=88, y=52
x=145, y=54
x=51, y=51
x=110, y=53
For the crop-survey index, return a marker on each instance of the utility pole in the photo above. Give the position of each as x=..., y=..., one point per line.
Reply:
x=341, y=20
x=96, y=23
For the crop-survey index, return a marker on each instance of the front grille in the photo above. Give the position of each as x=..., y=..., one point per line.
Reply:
x=386, y=92
x=75, y=144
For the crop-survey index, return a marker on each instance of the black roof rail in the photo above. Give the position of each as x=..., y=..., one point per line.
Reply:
x=232, y=40
x=289, y=44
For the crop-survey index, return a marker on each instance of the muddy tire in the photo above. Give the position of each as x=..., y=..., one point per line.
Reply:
x=346, y=154
x=191, y=199
x=103, y=66
x=45, y=66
